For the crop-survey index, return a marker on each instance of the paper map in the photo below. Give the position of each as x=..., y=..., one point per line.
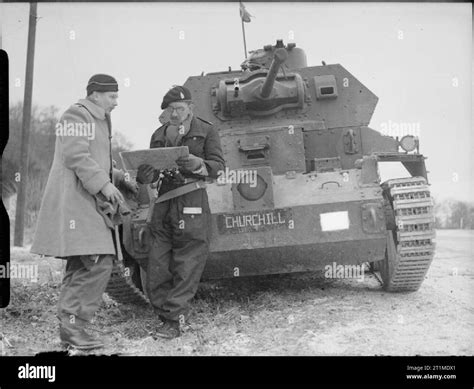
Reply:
x=159, y=158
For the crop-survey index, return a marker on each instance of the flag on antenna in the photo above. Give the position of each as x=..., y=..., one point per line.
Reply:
x=244, y=15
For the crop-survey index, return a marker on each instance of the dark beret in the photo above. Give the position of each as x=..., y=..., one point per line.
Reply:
x=177, y=93
x=102, y=83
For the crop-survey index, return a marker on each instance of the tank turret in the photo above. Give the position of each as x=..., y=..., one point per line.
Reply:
x=260, y=92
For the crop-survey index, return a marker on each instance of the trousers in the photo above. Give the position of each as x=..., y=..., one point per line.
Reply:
x=178, y=253
x=83, y=284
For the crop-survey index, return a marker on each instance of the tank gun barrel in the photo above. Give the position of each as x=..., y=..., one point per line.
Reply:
x=279, y=57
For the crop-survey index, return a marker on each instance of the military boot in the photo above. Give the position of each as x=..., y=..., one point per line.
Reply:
x=169, y=330
x=74, y=334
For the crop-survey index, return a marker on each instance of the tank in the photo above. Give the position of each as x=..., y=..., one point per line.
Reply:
x=302, y=189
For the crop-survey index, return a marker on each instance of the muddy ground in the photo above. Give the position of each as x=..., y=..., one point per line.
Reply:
x=296, y=314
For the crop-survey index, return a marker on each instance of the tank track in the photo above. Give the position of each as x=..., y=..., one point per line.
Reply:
x=122, y=288
x=413, y=237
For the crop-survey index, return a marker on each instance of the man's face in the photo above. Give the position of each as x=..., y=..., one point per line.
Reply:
x=106, y=100
x=179, y=111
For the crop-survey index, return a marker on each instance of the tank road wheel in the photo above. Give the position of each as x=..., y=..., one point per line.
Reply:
x=410, y=241
x=125, y=281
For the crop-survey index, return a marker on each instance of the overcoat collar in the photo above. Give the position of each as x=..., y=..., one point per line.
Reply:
x=94, y=109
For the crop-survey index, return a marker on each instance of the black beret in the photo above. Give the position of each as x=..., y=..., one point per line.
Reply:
x=177, y=93
x=102, y=83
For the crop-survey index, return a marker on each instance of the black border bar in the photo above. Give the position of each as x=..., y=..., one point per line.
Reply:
x=4, y=220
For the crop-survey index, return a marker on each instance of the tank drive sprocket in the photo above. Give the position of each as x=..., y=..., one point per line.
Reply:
x=411, y=244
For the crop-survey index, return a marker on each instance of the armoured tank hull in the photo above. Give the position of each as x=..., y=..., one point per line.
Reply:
x=315, y=219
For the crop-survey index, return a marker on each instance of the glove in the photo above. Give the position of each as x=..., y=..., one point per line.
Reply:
x=111, y=212
x=147, y=174
x=190, y=163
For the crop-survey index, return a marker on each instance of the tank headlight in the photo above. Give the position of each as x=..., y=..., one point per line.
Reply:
x=253, y=192
x=408, y=143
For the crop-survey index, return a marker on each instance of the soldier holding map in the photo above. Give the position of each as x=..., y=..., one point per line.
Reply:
x=180, y=225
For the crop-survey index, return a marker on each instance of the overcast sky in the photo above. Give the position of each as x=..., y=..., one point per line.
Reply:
x=417, y=58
